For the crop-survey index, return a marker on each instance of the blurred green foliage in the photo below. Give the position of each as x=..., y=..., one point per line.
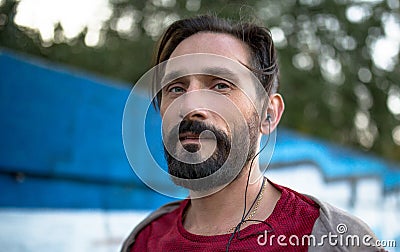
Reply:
x=331, y=79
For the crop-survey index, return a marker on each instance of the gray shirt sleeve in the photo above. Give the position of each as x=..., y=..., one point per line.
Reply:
x=337, y=230
x=130, y=240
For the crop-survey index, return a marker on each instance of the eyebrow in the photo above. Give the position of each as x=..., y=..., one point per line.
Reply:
x=172, y=76
x=221, y=72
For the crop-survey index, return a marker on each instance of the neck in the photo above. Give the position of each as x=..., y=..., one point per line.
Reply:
x=219, y=212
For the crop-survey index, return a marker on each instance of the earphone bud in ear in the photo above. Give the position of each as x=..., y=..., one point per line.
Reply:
x=268, y=117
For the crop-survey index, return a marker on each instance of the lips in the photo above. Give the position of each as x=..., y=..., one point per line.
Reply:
x=190, y=137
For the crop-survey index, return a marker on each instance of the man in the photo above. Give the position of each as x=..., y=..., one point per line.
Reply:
x=213, y=109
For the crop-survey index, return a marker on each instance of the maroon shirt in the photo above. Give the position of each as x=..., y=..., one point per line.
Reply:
x=294, y=214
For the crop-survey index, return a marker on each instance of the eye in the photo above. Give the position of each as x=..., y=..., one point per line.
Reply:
x=176, y=90
x=222, y=86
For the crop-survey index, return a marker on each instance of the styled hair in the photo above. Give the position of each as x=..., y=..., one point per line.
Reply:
x=263, y=57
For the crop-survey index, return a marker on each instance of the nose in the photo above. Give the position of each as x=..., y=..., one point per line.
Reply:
x=193, y=107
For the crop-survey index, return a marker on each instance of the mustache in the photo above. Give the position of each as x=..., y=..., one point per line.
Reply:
x=197, y=127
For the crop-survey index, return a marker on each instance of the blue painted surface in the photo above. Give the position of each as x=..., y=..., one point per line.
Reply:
x=58, y=123
x=62, y=145
x=61, y=139
x=335, y=161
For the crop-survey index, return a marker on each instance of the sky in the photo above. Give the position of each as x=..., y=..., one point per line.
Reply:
x=44, y=15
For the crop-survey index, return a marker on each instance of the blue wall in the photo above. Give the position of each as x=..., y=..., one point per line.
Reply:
x=61, y=140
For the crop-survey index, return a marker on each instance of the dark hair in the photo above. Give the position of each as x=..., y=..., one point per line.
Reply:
x=263, y=58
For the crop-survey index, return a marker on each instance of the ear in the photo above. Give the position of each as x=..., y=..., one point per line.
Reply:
x=272, y=114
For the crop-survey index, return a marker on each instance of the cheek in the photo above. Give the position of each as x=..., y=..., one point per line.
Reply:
x=162, y=111
x=164, y=103
x=250, y=114
x=245, y=106
x=163, y=107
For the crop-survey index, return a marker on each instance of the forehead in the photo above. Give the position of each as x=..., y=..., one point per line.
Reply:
x=203, y=64
x=207, y=53
x=214, y=43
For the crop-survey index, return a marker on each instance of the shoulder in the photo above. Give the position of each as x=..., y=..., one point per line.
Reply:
x=165, y=209
x=337, y=230
x=293, y=203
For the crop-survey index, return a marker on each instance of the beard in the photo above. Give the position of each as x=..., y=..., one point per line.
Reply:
x=190, y=175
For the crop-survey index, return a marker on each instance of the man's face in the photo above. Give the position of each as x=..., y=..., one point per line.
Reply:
x=205, y=137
